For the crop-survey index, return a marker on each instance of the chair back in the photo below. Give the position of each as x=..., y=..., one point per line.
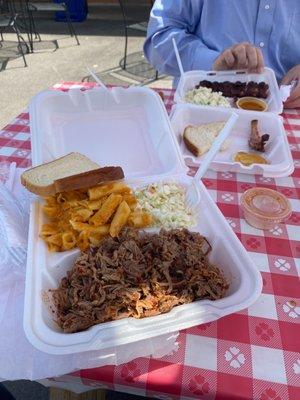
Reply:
x=5, y=7
x=14, y=6
x=134, y=11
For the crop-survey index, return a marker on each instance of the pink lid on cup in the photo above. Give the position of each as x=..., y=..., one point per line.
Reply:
x=264, y=208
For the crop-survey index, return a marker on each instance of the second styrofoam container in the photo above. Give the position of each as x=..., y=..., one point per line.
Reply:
x=277, y=148
x=190, y=79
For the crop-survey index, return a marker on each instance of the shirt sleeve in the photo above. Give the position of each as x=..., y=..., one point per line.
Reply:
x=177, y=19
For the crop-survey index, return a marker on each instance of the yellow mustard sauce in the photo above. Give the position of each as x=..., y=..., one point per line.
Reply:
x=249, y=158
x=249, y=105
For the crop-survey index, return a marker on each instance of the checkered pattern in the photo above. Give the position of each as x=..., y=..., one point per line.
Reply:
x=253, y=354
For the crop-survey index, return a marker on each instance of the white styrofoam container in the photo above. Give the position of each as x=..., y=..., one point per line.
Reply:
x=277, y=148
x=52, y=116
x=190, y=79
x=44, y=271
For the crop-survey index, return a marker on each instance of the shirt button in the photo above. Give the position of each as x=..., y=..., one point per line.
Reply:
x=267, y=6
x=261, y=44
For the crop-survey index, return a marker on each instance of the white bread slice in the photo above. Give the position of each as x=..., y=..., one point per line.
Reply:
x=73, y=171
x=199, y=139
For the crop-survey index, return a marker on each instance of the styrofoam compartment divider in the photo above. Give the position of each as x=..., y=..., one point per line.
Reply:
x=277, y=148
x=133, y=132
x=190, y=79
x=44, y=271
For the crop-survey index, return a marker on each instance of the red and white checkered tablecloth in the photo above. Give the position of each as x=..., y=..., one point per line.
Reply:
x=253, y=354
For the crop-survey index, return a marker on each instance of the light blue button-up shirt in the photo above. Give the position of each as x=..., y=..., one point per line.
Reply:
x=204, y=28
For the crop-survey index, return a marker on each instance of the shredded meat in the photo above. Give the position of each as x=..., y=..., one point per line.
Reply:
x=136, y=275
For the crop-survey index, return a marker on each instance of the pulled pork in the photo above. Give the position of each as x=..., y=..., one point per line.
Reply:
x=136, y=275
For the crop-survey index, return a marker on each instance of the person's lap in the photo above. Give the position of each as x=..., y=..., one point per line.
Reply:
x=5, y=394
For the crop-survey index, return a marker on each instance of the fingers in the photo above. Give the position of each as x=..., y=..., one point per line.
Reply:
x=225, y=61
x=228, y=58
x=251, y=58
x=294, y=97
x=292, y=104
x=292, y=75
x=255, y=59
x=241, y=56
x=287, y=79
x=295, y=92
x=260, y=60
x=248, y=57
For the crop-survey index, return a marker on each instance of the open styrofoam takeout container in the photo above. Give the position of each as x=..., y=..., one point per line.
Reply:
x=142, y=142
x=190, y=79
x=277, y=150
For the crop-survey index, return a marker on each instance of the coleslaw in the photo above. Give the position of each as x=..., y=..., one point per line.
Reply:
x=166, y=203
x=206, y=97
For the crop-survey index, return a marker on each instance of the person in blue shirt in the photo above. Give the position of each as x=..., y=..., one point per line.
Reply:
x=227, y=34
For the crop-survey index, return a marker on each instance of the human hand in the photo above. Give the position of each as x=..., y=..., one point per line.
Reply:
x=241, y=56
x=293, y=75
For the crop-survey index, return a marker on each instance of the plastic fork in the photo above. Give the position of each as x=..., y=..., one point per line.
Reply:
x=11, y=176
x=100, y=83
x=13, y=222
x=179, y=62
x=210, y=155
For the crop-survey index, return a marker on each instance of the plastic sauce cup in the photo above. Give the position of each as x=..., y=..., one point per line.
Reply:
x=265, y=208
x=252, y=104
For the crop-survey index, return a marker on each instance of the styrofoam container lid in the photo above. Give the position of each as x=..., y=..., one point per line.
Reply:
x=277, y=150
x=190, y=79
x=134, y=131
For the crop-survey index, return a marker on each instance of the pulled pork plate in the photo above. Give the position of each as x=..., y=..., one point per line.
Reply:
x=136, y=275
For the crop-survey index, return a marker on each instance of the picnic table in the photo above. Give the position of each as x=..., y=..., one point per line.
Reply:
x=252, y=354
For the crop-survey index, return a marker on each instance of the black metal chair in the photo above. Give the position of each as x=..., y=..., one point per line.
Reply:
x=26, y=20
x=132, y=23
x=9, y=20
x=34, y=7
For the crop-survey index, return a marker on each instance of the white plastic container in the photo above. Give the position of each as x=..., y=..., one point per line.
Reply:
x=277, y=148
x=52, y=115
x=190, y=79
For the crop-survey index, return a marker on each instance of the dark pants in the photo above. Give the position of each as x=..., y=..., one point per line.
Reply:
x=4, y=393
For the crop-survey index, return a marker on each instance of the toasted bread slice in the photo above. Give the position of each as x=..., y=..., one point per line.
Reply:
x=199, y=139
x=71, y=172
